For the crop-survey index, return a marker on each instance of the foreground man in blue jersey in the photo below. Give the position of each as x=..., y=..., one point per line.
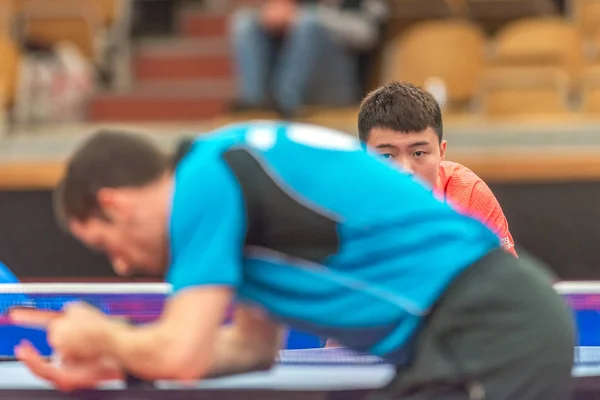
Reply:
x=304, y=229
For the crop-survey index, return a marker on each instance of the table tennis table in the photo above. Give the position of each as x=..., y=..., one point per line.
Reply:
x=307, y=374
x=311, y=374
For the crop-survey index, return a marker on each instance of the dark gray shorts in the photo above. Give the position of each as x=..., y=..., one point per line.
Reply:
x=500, y=332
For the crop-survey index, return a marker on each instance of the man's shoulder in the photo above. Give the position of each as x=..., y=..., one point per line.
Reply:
x=208, y=147
x=457, y=175
x=471, y=195
x=463, y=187
x=203, y=171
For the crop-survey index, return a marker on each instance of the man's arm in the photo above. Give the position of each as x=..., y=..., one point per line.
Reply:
x=485, y=207
x=470, y=195
x=189, y=342
x=250, y=343
x=180, y=345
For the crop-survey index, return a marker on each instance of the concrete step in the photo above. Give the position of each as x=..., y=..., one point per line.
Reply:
x=164, y=101
x=210, y=19
x=204, y=24
x=182, y=59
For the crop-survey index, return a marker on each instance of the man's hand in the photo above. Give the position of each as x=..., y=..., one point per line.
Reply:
x=77, y=333
x=278, y=15
x=69, y=375
x=180, y=345
x=80, y=332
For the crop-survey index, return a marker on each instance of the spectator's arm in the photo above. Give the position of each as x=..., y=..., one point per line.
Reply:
x=359, y=29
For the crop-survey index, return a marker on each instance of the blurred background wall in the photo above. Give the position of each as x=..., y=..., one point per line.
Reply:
x=519, y=82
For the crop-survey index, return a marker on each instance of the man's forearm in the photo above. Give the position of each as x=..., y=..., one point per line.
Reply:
x=159, y=351
x=141, y=351
x=236, y=354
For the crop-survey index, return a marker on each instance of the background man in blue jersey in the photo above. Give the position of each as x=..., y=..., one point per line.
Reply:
x=302, y=228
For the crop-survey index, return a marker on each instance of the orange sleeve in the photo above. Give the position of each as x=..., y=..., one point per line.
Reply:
x=484, y=206
x=469, y=194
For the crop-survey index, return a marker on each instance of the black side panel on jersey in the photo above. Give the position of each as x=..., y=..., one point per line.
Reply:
x=277, y=220
x=183, y=147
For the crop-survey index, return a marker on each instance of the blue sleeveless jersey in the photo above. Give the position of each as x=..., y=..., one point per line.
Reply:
x=322, y=235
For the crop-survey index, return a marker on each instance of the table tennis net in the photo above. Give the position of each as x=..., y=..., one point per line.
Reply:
x=137, y=302
x=144, y=302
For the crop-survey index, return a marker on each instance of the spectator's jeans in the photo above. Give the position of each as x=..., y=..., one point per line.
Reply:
x=307, y=66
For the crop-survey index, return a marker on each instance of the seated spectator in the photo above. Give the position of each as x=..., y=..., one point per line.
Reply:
x=293, y=52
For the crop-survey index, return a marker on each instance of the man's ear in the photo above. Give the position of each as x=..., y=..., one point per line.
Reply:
x=443, y=145
x=111, y=201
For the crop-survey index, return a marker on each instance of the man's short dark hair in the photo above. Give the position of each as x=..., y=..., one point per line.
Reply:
x=400, y=107
x=108, y=159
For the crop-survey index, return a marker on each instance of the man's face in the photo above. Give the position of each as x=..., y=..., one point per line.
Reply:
x=418, y=153
x=133, y=241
